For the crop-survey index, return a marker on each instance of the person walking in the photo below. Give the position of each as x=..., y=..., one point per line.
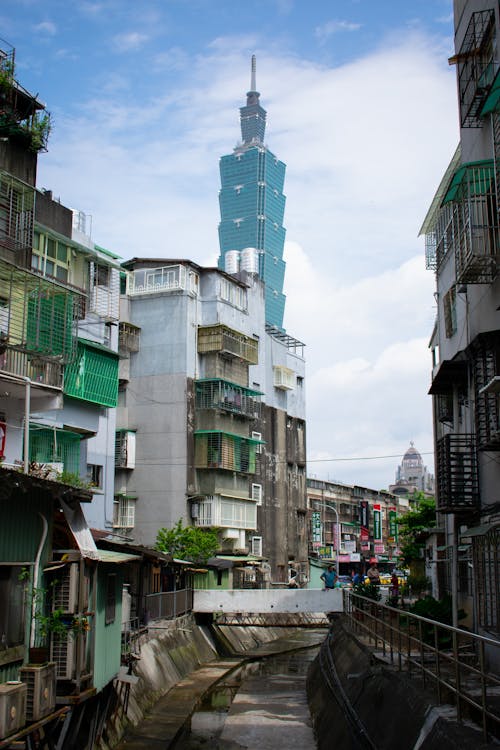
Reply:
x=373, y=574
x=329, y=577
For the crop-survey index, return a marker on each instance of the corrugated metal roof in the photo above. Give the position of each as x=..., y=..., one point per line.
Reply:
x=110, y=556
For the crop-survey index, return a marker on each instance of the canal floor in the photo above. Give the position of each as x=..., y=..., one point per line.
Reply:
x=269, y=708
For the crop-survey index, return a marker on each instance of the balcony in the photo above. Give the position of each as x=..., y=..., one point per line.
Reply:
x=225, y=513
x=476, y=67
x=223, y=450
x=228, y=397
x=38, y=321
x=228, y=342
x=468, y=224
x=487, y=390
x=456, y=473
x=17, y=207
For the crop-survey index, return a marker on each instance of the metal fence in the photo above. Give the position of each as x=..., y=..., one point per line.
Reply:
x=462, y=667
x=168, y=604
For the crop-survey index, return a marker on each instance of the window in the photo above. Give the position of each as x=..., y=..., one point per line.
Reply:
x=124, y=512
x=4, y=315
x=95, y=475
x=257, y=546
x=11, y=606
x=50, y=257
x=110, y=599
x=257, y=493
x=450, y=312
x=284, y=378
x=257, y=436
x=101, y=275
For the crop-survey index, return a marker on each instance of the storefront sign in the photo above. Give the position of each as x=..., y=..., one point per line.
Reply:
x=377, y=523
x=317, y=529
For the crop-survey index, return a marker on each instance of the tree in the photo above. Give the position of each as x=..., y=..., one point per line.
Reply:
x=413, y=524
x=188, y=542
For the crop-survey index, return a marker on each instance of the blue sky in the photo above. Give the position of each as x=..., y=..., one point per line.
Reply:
x=361, y=107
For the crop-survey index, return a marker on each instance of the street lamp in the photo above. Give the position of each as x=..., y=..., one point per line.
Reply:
x=337, y=551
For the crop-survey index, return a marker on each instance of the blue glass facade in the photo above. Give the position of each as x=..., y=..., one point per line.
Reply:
x=252, y=205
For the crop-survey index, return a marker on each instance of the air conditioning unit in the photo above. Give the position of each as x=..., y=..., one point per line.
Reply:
x=65, y=591
x=12, y=707
x=63, y=653
x=41, y=694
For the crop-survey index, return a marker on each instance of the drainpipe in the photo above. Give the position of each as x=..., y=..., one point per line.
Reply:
x=36, y=570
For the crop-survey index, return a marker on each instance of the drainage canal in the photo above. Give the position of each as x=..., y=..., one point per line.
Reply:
x=262, y=704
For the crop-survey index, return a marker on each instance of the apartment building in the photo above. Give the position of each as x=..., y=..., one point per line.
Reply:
x=463, y=249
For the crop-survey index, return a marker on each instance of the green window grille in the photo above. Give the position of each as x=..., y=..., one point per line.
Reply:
x=222, y=394
x=93, y=375
x=49, y=327
x=223, y=450
x=49, y=446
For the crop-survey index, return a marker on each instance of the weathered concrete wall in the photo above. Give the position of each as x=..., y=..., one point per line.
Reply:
x=364, y=703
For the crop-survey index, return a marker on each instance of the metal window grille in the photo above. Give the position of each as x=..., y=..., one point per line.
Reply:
x=476, y=66
x=218, y=450
x=486, y=560
x=49, y=446
x=124, y=512
x=457, y=474
x=93, y=376
x=17, y=204
x=128, y=337
x=227, y=396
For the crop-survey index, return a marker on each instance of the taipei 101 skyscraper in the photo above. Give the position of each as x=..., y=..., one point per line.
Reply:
x=252, y=206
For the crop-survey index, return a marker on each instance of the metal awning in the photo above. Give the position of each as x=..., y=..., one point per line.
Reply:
x=110, y=556
x=476, y=175
x=492, y=103
x=450, y=373
x=80, y=530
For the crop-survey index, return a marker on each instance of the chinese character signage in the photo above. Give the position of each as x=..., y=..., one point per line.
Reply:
x=317, y=529
x=393, y=526
x=377, y=523
x=364, y=520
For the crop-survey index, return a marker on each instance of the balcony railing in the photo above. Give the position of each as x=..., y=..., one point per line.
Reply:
x=223, y=450
x=168, y=604
x=220, y=338
x=457, y=475
x=221, y=394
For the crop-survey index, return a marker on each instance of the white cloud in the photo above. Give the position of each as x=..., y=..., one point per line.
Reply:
x=46, y=27
x=326, y=30
x=130, y=41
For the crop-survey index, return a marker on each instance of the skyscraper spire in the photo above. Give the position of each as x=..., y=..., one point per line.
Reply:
x=253, y=85
x=253, y=116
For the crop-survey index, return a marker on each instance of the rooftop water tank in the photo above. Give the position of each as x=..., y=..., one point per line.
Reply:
x=232, y=261
x=250, y=260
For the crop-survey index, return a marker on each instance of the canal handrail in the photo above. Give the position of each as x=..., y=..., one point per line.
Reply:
x=168, y=604
x=461, y=665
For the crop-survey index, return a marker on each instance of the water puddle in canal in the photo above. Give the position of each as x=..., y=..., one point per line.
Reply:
x=271, y=681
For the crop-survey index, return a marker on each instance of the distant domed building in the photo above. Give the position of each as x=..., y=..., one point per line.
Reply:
x=412, y=476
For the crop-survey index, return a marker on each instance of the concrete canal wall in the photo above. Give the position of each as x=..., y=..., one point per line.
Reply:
x=352, y=693
x=170, y=651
